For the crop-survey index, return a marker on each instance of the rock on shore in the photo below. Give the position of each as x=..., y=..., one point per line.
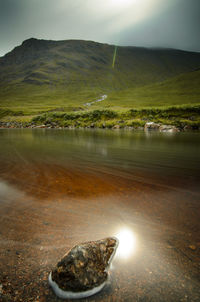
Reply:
x=151, y=126
x=160, y=128
x=83, y=271
x=168, y=128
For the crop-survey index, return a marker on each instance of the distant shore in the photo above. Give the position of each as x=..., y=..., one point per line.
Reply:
x=149, y=126
x=164, y=119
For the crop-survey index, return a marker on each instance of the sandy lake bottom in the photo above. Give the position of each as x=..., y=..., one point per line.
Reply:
x=63, y=187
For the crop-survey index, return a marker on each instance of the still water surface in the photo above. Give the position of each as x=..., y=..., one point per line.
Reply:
x=62, y=187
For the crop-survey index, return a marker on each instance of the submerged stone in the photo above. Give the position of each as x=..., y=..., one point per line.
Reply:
x=83, y=271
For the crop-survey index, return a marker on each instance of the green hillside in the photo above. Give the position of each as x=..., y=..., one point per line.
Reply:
x=42, y=75
x=182, y=89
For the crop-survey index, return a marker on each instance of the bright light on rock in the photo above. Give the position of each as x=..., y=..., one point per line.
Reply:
x=127, y=243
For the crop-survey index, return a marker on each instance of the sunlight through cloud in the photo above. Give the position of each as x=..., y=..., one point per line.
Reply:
x=120, y=14
x=127, y=243
x=122, y=3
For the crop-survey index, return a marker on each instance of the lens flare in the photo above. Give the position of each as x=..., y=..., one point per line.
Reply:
x=114, y=57
x=127, y=243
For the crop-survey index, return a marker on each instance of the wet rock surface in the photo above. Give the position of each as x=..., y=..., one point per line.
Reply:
x=85, y=266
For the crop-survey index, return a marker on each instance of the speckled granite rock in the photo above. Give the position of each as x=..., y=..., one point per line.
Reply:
x=83, y=271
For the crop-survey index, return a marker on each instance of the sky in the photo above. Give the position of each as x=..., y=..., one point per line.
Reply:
x=148, y=23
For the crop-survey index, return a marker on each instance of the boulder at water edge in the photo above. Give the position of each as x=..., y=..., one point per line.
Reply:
x=168, y=128
x=83, y=271
x=151, y=126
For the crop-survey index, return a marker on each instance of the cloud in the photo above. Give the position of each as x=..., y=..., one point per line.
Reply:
x=128, y=22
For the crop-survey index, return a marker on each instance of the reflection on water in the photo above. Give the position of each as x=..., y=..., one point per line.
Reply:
x=8, y=192
x=127, y=243
x=159, y=155
x=61, y=188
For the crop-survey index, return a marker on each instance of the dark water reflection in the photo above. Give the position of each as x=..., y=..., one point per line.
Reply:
x=61, y=187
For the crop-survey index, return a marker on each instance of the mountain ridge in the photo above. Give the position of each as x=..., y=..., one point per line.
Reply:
x=31, y=40
x=90, y=55
x=73, y=72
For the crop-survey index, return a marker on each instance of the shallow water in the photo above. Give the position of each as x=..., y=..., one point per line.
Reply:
x=62, y=187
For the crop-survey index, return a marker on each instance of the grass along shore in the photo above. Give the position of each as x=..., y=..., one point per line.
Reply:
x=182, y=117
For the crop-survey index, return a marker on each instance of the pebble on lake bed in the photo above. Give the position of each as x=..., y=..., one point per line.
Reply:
x=192, y=247
x=83, y=271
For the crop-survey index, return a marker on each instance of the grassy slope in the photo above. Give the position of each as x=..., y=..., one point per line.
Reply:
x=183, y=89
x=44, y=75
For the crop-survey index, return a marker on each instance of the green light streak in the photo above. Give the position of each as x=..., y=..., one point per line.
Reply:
x=114, y=57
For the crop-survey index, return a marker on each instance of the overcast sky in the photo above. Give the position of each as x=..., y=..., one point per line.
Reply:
x=152, y=23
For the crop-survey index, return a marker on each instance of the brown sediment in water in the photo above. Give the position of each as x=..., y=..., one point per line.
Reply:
x=55, y=207
x=46, y=181
x=49, y=181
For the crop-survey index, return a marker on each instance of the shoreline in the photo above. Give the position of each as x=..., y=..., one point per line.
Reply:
x=149, y=126
x=166, y=119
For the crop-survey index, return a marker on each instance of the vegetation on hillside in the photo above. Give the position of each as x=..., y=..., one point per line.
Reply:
x=58, y=78
x=179, y=116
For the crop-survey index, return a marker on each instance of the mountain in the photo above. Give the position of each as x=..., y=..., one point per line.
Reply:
x=42, y=73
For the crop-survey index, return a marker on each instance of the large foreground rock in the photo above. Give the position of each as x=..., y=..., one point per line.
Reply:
x=83, y=271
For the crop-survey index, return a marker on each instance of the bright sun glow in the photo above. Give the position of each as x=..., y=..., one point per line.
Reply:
x=127, y=243
x=122, y=3
x=121, y=14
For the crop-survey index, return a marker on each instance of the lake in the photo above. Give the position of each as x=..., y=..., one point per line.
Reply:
x=60, y=187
